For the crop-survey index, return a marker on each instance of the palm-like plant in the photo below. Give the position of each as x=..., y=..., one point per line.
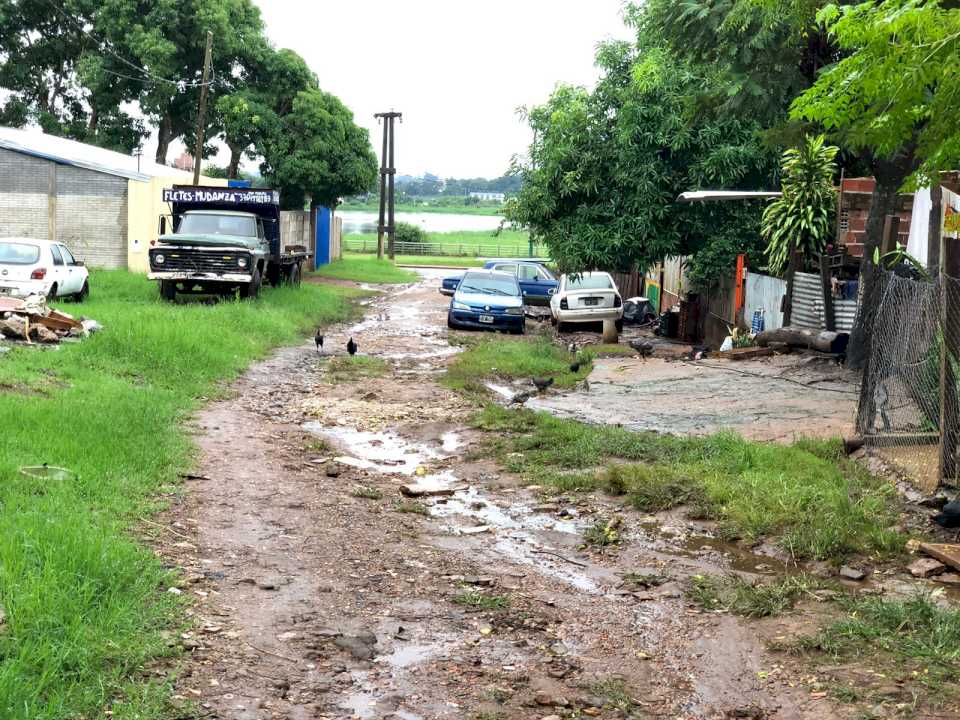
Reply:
x=802, y=217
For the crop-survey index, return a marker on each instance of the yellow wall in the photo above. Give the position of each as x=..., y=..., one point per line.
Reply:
x=144, y=208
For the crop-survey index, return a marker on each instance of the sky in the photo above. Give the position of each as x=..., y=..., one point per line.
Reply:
x=457, y=70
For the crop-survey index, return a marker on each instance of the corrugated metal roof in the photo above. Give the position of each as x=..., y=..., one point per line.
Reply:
x=710, y=195
x=34, y=142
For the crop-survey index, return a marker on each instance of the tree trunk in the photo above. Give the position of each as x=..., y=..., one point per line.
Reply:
x=825, y=341
x=889, y=174
x=233, y=168
x=164, y=136
x=94, y=120
x=935, y=228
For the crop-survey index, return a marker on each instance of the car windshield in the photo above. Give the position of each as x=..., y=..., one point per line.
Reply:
x=590, y=282
x=13, y=253
x=489, y=285
x=203, y=224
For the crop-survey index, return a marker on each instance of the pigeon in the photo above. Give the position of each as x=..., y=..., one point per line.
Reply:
x=318, y=339
x=949, y=516
x=575, y=366
x=352, y=347
x=542, y=383
x=644, y=347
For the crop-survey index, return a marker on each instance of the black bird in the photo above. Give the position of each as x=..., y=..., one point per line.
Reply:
x=575, y=366
x=318, y=339
x=542, y=383
x=949, y=516
x=644, y=347
x=352, y=347
x=520, y=398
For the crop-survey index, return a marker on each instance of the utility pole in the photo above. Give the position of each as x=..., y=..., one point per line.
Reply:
x=387, y=172
x=202, y=112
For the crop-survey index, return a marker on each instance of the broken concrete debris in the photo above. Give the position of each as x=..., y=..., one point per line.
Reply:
x=31, y=320
x=926, y=567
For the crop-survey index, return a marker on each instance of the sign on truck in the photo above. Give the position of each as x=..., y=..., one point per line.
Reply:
x=222, y=241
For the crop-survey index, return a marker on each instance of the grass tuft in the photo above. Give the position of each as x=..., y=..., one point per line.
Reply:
x=354, y=367
x=411, y=506
x=511, y=359
x=366, y=493
x=751, y=599
x=481, y=601
x=604, y=532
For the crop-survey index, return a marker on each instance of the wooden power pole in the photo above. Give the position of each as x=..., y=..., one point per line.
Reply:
x=387, y=172
x=202, y=112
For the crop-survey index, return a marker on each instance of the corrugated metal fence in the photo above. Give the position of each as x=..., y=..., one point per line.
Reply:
x=765, y=293
x=808, y=305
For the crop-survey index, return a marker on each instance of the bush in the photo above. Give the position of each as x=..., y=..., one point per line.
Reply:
x=407, y=233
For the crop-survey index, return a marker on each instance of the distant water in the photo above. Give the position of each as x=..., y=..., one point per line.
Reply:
x=356, y=221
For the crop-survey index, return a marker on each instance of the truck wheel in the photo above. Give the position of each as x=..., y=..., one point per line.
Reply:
x=294, y=276
x=168, y=290
x=84, y=292
x=251, y=290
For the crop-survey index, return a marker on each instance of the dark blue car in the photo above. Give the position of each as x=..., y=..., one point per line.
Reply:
x=536, y=282
x=487, y=300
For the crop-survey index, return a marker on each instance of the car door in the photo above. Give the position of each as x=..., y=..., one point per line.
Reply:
x=76, y=274
x=59, y=273
x=535, y=283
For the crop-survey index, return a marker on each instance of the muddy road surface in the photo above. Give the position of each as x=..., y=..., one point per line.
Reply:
x=321, y=591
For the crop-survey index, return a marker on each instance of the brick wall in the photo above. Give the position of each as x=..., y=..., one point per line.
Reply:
x=857, y=193
x=91, y=207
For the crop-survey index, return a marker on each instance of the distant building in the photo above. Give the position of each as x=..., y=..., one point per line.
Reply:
x=104, y=205
x=494, y=196
x=184, y=162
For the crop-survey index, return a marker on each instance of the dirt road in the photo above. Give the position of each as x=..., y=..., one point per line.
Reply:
x=323, y=593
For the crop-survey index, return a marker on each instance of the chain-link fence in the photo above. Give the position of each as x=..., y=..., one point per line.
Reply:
x=904, y=382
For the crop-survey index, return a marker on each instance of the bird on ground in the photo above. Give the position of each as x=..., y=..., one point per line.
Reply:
x=572, y=348
x=352, y=347
x=542, y=383
x=520, y=398
x=643, y=347
x=949, y=516
x=575, y=366
x=318, y=339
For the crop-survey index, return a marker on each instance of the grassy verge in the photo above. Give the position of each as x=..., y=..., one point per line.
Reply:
x=86, y=607
x=807, y=496
x=475, y=243
x=489, y=356
x=361, y=268
x=440, y=260
x=913, y=641
x=752, y=599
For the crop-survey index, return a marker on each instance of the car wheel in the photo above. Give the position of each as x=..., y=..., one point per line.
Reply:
x=251, y=290
x=553, y=321
x=293, y=278
x=562, y=326
x=168, y=290
x=619, y=325
x=52, y=292
x=450, y=323
x=83, y=294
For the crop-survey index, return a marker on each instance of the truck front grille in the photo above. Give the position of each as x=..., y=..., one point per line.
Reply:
x=201, y=261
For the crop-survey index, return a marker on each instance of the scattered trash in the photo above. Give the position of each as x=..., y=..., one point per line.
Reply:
x=31, y=320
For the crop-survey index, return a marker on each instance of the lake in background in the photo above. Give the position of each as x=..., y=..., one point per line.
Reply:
x=356, y=222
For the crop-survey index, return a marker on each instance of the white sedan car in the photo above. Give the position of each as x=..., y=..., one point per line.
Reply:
x=588, y=297
x=41, y=267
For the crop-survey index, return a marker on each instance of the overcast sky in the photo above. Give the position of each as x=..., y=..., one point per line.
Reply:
x=457, y=70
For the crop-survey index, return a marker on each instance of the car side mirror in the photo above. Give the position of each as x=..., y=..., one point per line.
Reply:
x=78, y=263
x=163, y=224
x=551, y=291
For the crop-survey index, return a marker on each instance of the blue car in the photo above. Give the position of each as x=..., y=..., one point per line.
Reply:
x=536, y=282
x=486, y=299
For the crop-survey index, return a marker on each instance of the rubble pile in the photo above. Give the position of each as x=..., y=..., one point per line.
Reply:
x=30, y=320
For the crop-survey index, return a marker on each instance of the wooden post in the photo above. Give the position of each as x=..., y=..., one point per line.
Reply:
x=202, y=112
x=791, y=272
x=381, y=222
x=738, y=294
x=829, y=320
x=935, y=228
x=949, y=354
x=891, y=231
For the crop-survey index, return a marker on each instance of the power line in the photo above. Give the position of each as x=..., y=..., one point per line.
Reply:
x=105, y=47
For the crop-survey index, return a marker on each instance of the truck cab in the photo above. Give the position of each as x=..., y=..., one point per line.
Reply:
x=222, y=240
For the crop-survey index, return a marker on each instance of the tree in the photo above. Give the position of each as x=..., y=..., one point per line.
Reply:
x=800, y=220
x=319, y=152
x=605, y=168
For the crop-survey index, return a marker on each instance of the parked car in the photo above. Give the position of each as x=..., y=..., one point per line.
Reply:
x=43, y=267
x=588, y=297
x=536, y=282
x=487, y=299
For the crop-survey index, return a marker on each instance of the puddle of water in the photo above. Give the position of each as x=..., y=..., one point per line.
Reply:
x=384, y=452
x=361, y=704
x=501, y=390
x=407, y=655
x=450, y=442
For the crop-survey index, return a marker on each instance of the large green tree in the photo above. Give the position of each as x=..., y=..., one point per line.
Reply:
x=605, y=168
x=318, y=153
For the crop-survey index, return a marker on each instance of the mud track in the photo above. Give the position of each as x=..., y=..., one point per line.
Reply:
x=318, y=600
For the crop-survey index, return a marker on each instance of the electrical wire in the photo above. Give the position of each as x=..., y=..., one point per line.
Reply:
x=104, y=47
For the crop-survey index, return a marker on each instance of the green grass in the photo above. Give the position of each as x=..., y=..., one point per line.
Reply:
x=751, y=599
x=808, y=497
x=481, y=601
x=914, y=638
x=366, y=492
x=86, y=605
x=468, y=243
x=412, y=507
x=361, y=268
x=440, y=261
x=603, y=533
x=354, y=367
x=493, y=357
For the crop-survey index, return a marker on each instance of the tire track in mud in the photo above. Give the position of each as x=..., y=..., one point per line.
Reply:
x=315, y=602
